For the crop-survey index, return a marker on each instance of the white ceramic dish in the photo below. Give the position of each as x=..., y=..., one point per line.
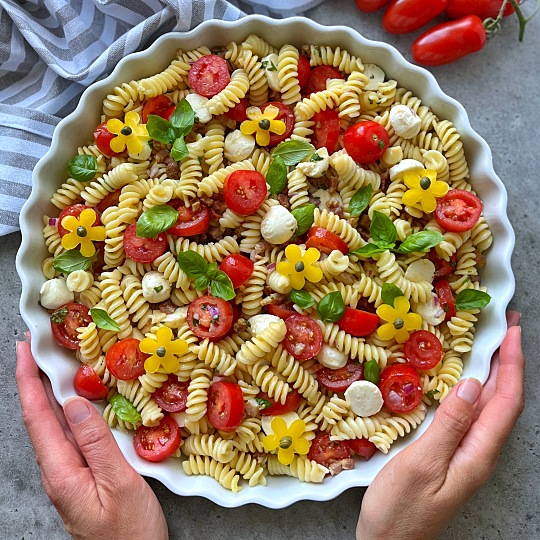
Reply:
x=59, y=363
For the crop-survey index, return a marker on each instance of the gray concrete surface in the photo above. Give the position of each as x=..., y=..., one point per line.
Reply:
x=498, y=87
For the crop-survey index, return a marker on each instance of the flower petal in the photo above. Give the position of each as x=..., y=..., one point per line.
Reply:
x=164, y=335
x=70, y=223
x=286, y=455
x=284, y=268
x=386, y=312
x=278, y=127
x=148, y=345
x=87, y=217
x=402, y=335
x=263, y=137
x=87, y=247
x=115, y=125
x=118, y=143
x=270, y=443
x=297, y=280
x=297, y=428
x=313, y=274
x=439, y=189
x=412, y=180
x=412, y=196
x=178, y=347
x=428, y=202
x=170, y=363
x=270, y=112
x=96, y=233
x=70, y=241
x=254, y=113
x=432, y=175
x=412, y=321
x=279, y=426
x=386, y=331
x=293, y=253
x=132, y=119
x=151, y=364
x=311, y=255
x=402, y=306
x=134, y=145
x=301, y=446
x=247, y=127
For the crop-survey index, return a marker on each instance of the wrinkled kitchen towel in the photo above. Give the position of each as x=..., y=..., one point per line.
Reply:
x=51, y=50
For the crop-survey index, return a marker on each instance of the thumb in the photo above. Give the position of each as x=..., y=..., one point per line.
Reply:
x=96, y=441
x=452, y=421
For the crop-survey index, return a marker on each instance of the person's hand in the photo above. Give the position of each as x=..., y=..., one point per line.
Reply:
x=419, y=491
x=96, y=492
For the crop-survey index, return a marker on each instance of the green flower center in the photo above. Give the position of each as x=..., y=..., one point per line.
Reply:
x=285, y=442
x=425, y=183
x=160, y=351
x=299, y=266
x=399, y=324
x=126, y=130
x=81, y=232
x=264, y=124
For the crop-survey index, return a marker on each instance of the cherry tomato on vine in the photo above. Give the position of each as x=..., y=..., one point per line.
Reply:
x=446, y=297
x=88, y=384
x=369, y=6
x=400, y=387
x=209, y=75
x=225, y=405
x=325, y=451
x=304, y=69
x=160, y=106
x=74, y=210
x=458, y=211
x=366, y=141
x=285, y=115
x=303, y=338
x=238, y=268
x=338, y=380
x=318, y=77
x=325, y=241
x=362, y=447
x=65, y=332
x=238, y=112
x=358, y=323
x=276, y=408
x=189, y=222
x=403, y=16
x=125, y=360
x=326, y=130
x=423, y=350
x=210, y=317
x=481, y=8
x=103, y=138
x=245, y=191
x=159, y=442
x=450, y=41
x=144, y=250
x=172, y=395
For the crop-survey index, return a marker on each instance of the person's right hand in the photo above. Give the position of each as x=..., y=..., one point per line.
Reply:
x=417, y=493
x=96, y=492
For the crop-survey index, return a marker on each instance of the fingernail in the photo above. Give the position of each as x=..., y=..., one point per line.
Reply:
x=76, y=410
x=28, y=336
x=469, y=390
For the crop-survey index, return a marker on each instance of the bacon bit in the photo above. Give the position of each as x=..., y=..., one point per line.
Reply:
x=219, y=51
x=274, y=298
x=251, y=409
x=335, y=468
x=347, y=464
x=219, y=206
x=231, y=124
x=260, y=457
x=347, y=279
x=480, y=259
x=162, y=155
x=154, y=171
x=273, y=95
x=334, y=205
x=333, y=182
x=260, y=247
x=283, y=200
x=206, y=200
x=385, y=182
x=267, y=290
x=167, y=307
x=474, y=279
x=173, y=170
x=366, y=306
x=240, y=326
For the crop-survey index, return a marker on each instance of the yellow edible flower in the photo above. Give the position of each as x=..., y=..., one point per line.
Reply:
x=132, y=133
x=288, y=440
x=299, y=267
x=262, y=123
x=424, y=189
x=81, y=231
x=399, y=321
x=164, y=350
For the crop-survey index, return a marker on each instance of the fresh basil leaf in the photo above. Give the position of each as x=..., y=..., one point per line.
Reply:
x=372, y=371
x=82, y=168
x=382, y=230
x=222, y=286
x=59, y=316
x=302, y=298
x=201, y=282
x=360, y=200
x=276, y=177
x=183, y=118
x=293, y=152
x=304, y=218
x=158, y=289
x=179, y=150
x=161, y=130
x=268, y=65
x=316, y=157
x=431, y=393
x=420, y=241
x=103, y=321
x=192, y=264
x=211, y=271
x=156, y=220
x=368, y=250
x=331, y=308
x=263, y=403
x=472, y=299
x=389, y=293
x=124, y=409
x=71, y=260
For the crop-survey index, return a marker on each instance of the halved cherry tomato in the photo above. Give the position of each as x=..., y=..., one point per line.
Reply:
x=304, y=70
x=358, y=323
x=338, y=380
x=109, y=200
x=159, y=442
x=317, y=78
x=362, y=447
x=276, y=409
x=481, y=8
x=446, y=297
x=450, y=41
x=369, y=6
x=144, y=250
x=442, y=268
x=189, y=222
x=403, y=16
x=65, y=332
x=172, y=395
x=325, y=241
x=366, y=141
x=103, y=138
x=304, y=338
x=74, y=210
x=238, y=268
x=245, y=191
x=325, y=451
x=326, y=130
x=225, y=405
x=283, y=311
x=238, y=112
x=400, y=388
x=423, y=350
x=458, y=211
x=125, y=360
x=88, y=384
x=160, y=106
x=209, y=75
x=209, y=317
x=285, y=115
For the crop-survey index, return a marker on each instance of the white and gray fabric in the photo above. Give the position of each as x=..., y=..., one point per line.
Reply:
x=51, y=50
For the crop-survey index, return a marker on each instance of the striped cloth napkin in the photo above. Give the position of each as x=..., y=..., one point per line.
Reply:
x=51, y=50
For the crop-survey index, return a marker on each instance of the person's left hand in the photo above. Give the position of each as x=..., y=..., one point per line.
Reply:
x=96, y=492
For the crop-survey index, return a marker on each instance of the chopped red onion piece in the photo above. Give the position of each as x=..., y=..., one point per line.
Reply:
x=408, y=388
x=213, y=310
x=52, y=222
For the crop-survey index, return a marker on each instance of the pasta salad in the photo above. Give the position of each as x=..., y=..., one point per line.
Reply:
x=266, y=261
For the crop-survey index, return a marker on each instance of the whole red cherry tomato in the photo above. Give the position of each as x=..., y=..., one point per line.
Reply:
x=366, y=141
x=369, y=6
x=326, y=130
x=481, y=8
x=88, y=384
x=238, y=268
x=450, y=41
x=403, y=16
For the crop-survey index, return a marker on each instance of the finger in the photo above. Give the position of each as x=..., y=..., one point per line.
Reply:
x=513, y=318
x=54, y=452
x=96, y=441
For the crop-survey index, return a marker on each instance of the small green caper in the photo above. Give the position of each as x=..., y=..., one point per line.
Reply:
x=160, y=351
x=264, y=123
x=285, y=442
x=299, y=266
x=425, y=183
x=81, y=232
x=126, y=130
x=399, y=324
